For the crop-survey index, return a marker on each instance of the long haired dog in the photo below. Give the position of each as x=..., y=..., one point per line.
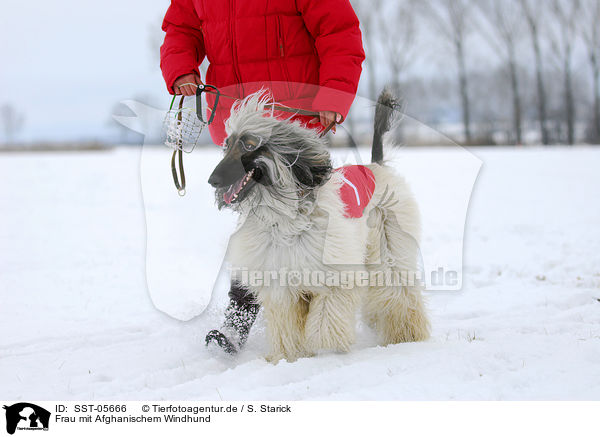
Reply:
x=295, y=241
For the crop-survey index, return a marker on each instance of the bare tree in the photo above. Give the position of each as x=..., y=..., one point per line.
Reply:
x=452, y=19
x=397, y=24
x=12, y=121
x=589, y=25
x=368, y=12
x=504, y=18
x=533, y=10
x=562, y=34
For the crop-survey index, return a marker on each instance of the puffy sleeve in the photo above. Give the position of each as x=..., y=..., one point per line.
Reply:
x=183, y=49
x=335, y=28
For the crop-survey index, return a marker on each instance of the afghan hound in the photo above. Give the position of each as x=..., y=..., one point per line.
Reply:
x=315, y=244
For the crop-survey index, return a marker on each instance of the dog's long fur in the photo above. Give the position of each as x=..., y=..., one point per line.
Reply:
x=292, y=219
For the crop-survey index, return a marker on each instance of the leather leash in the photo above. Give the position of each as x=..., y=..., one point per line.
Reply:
x=179, y=180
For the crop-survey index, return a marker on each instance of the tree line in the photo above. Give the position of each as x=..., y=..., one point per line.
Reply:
x=510, y=71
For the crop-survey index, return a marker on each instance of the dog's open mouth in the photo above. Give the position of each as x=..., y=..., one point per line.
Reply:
x=235, y=191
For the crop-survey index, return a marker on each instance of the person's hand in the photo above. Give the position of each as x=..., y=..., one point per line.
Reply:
x=326, y=117
x=180, y=86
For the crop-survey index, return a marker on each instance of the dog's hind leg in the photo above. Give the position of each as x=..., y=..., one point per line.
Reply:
x=286, y=318
x=330, y=324
x=394, y=304
x=397, y=313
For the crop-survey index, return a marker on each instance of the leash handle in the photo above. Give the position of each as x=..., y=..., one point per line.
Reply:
x=179, y=180
x=202, y=88
x=327, y=129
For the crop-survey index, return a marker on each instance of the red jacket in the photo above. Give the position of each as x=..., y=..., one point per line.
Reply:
x=307, y=52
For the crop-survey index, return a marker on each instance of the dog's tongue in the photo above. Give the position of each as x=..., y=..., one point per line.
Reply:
x=232, y=191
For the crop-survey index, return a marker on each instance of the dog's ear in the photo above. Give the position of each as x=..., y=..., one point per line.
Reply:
x=322, y=173
x=312, y=176
x=303, y=175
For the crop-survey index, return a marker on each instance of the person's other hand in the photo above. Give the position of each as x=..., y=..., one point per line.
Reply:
x=187, y=90
x=326, y=117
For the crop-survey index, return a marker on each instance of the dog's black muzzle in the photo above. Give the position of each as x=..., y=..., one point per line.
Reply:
x=227, y=172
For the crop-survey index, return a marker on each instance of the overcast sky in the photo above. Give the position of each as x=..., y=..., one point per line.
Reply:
x=65, y=63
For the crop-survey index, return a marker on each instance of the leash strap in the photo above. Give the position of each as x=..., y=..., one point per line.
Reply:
x=327, y=129
x=203, y=89
x=269, y=105
x=179, y=179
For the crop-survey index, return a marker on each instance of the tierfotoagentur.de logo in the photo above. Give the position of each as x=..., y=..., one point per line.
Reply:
x=26, y=417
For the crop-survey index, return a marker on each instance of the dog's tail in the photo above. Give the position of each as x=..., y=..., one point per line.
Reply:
x=387, y=106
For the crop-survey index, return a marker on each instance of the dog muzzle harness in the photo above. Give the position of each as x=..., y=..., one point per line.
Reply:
x=183, y=127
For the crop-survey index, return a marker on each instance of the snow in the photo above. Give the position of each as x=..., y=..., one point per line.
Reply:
x=77, y=321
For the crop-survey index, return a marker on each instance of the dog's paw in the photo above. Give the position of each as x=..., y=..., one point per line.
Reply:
x=217, y=338
x=274, y=358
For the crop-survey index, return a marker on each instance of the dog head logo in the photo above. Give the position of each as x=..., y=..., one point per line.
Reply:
x=26, y=416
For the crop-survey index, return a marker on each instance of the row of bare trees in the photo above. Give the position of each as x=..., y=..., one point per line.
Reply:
x=11, y=122
x=548, y=43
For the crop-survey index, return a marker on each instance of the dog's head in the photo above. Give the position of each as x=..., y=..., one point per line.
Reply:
x=268, y=161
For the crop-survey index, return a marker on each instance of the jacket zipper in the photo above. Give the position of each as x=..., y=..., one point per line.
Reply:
x=233, y=49
x=282, y=55
x=280, y=36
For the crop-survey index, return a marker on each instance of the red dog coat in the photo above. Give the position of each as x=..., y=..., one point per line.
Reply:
x=357, y=189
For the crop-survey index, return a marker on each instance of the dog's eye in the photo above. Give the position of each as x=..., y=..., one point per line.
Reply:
x=249, y=143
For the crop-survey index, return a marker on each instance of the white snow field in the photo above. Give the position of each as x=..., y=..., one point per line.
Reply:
x=77, y=321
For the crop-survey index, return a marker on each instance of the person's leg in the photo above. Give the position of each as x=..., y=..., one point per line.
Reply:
x=240, y=315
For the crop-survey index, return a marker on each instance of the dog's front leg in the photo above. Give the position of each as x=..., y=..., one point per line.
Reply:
x=330, y=324
x=286, y=317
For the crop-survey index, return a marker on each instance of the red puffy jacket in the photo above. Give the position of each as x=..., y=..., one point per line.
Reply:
x=307, y=52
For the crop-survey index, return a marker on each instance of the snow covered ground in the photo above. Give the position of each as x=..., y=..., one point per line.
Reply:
x=77, y=322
